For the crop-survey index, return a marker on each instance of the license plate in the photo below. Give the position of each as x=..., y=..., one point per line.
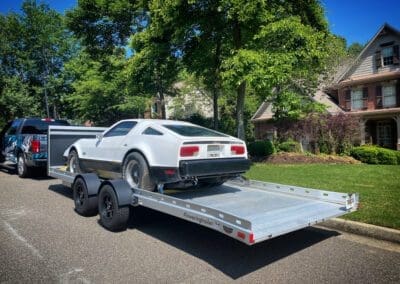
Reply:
x=213, y=151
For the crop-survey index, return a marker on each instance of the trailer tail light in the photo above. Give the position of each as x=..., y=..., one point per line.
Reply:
x=189, y=151
x=35, y=146
x=237, y=150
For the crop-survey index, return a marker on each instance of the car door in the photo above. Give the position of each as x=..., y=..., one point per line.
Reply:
x=110, y=148
x=10, y=141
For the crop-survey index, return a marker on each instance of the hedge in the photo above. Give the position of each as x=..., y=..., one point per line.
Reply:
x=289, y=146
x=376, y=155
x=261, y=148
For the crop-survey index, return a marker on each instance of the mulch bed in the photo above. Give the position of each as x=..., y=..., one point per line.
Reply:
x=299, y=158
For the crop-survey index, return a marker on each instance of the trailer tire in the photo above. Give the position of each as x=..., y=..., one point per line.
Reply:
x=73, y=163
x=81, y=198
x=136, y=172
x=23, y=170
x=112, y=217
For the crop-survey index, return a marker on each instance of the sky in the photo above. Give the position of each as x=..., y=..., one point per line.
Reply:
x=355, y=20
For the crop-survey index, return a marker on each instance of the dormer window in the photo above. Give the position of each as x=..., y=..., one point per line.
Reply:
x=387, y=56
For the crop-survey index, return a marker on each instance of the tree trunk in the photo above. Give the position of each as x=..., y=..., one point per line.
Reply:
x=241, y=92
x=217, y=83
x=162, y=104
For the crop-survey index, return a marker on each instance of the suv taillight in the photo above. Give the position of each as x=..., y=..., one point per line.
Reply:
x=189, y=151
x=35, y=146
x=237, y=150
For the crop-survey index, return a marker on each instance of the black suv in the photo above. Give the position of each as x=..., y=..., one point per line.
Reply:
x=23, y=144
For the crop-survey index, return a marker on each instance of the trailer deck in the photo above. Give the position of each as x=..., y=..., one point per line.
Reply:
x=250, y=211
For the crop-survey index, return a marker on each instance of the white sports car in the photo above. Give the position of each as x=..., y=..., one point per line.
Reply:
x=147, y=153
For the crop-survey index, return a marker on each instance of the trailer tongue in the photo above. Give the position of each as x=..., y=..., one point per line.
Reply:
x=249, y=211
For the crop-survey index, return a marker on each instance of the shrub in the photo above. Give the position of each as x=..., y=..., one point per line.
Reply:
x=375, y=155
x=261, y=148
x=289, y=146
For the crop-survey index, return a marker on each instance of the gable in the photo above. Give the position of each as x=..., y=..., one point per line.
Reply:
x=365, y=64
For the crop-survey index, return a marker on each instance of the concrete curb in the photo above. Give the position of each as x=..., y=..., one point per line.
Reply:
x=363, y=229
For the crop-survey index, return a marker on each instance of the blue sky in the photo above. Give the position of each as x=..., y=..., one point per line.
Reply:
x=355, y=20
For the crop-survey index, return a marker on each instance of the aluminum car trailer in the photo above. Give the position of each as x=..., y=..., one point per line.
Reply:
x=249, y=211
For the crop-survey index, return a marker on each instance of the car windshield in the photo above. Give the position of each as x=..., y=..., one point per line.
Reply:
x=40, y=126
x=192, y=131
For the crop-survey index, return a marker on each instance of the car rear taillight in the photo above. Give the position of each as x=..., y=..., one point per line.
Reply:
x=189, y=151
x=237, y=150
x=35, y=146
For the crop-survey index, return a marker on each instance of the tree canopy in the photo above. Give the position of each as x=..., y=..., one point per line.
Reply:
x=107, y=60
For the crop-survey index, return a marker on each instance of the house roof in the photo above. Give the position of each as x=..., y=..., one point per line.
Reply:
x=385, y=27
x=265, y=111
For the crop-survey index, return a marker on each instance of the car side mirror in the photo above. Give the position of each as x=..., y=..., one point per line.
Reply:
x=99, y=137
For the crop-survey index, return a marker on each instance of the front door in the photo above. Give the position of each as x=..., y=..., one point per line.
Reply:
x=385, y=134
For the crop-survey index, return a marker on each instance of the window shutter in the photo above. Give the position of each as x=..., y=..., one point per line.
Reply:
x=396, y=59
x=347, y=100
x=378, y=95
x=378, y=61
x=398, y=93
x=365, y=97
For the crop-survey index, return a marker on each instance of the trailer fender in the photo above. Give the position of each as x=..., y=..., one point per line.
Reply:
x=92, y=183
x=122, y=190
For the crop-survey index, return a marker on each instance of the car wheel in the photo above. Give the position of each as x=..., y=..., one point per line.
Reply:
x=136, y=172
x=112, y=217
x=22, y=169
x=81, y=198
x=73, y=164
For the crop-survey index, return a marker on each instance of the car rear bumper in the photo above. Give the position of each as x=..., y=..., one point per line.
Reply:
x=200, y=169
x=215, y=167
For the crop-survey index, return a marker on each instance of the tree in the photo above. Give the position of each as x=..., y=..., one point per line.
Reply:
x=355, y=49
x=33, y=48
x=237, y=46
x=100, y=92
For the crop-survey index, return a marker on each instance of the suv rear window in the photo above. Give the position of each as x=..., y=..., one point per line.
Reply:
x=192, y=131
x=40, y=126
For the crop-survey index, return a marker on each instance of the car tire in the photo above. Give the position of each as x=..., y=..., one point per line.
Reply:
x=73, y=164
x=81, y=199
x=112, y=217
x=23, y=170
x=136, y=172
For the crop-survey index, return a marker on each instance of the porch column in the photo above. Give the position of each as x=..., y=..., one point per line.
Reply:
x=397, y=119
x=362, y=130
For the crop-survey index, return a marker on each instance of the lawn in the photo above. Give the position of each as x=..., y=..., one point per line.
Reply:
x=378, y=186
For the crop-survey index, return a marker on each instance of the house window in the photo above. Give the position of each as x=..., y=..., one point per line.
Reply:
x=389, y=95
x=387, y=55
x=357, y=99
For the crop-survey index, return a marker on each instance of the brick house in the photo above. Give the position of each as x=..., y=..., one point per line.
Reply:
x=368, y=89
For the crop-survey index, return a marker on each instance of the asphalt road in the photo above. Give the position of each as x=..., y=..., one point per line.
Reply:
x=43, y=239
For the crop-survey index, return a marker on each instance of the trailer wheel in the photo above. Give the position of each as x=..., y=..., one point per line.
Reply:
x=73, y=163
x=81, y=198
x=22, y=169
x=112, y=217
x=136, y=172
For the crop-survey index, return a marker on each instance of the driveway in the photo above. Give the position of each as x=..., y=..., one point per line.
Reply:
x=43, y=239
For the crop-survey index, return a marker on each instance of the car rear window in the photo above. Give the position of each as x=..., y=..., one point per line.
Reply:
x=192, y=131
x=40, y=126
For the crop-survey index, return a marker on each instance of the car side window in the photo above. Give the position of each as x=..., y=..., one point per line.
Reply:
x=14, y=127
x=151, y=131
x=120, y=129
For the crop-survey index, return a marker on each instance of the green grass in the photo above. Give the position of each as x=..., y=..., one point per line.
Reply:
x=378, y=186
